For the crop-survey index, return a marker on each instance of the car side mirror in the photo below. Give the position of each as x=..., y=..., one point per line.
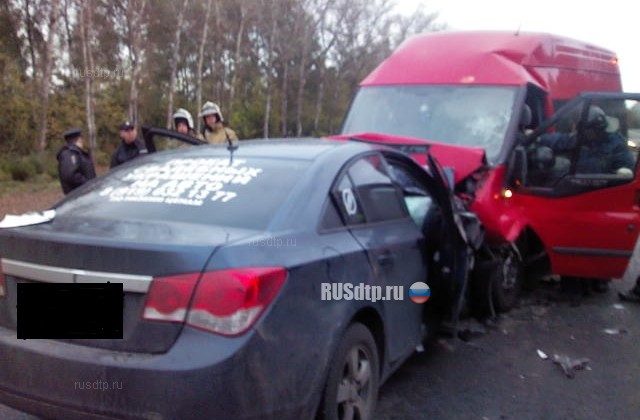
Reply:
x=449, y=173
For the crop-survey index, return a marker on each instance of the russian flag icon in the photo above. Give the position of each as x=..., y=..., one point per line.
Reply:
x=419, y=292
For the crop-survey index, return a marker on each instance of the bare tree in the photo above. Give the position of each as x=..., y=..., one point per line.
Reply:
x=202, y=44
x=217, y=69
x=47, y=66
x=132, y=13
x=175, y=56
x=87, y=38
x=237, y=57
x=317, y=11
x=328, y=32
x=66, y=8
x=29, y=27
x=270, y=50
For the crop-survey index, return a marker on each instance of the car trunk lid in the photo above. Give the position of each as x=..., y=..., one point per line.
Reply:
x=129, y=252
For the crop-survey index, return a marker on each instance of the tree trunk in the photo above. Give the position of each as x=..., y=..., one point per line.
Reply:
x=269, y=79
x=302, y=77
x=134, y=12
x=331, y=112
x=216, y=68
x=237, y=58
x=319, y=96
x=203, y=42
x=46, y=74
x=284, y=105
x=29, y=25
x=67, y=25
x=174, y=61
x=87, y=38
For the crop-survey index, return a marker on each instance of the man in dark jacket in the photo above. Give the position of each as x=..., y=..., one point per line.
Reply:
x=601, y=151
x=75, y=166
x=130, y=147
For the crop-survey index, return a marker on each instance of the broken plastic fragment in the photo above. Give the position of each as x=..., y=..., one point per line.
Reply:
x=542, y=354
x=568, y=365
x=615, y=331
x=27, y=219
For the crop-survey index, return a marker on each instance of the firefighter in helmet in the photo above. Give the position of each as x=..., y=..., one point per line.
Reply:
x=213, y=131
x=183, y=122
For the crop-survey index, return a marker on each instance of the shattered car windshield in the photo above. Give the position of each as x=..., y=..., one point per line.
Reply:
x=475, y=116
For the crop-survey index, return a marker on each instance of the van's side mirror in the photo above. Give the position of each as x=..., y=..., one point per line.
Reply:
x=543, y=158
x=517, y=170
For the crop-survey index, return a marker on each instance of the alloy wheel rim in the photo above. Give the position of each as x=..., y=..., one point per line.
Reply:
x=509, y=273
x=355, y=388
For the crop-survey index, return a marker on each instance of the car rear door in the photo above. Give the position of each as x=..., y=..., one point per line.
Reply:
x=585, y=210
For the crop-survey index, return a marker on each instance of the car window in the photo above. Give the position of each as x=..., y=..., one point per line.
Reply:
x=417, y=199
x=348, y=203
x=163, y=143
x=366, y=193
x=186, y=187
x=330, y=217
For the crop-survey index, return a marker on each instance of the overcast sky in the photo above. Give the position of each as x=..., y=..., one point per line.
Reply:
x=612, y=24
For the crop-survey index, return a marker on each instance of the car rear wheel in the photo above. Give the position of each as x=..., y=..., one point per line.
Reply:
x=507, y=279
x=352, y=384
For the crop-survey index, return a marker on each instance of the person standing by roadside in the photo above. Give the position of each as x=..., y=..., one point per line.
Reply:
x=130, y=148
x=75, y=166
x=213, y=131
x=633, y=271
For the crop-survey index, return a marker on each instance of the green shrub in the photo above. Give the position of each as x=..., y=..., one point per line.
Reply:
x=4, y=174
x=22, y=169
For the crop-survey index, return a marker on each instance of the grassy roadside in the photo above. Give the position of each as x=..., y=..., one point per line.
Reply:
x=19, y=197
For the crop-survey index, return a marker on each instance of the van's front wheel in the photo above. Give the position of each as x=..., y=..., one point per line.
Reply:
x=508, y=278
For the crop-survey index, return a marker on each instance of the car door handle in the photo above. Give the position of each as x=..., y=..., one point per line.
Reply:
x=385, y=259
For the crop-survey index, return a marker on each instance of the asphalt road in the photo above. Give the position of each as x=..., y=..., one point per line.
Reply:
x=499, y=374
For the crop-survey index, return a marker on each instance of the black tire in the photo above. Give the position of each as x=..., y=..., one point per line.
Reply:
x=507, y=279
x=351, y=391
x=600, y=285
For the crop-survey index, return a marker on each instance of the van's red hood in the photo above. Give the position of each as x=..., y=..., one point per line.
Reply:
x=463, y=159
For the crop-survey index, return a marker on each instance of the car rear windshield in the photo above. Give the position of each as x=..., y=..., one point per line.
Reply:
x=475, y=116
x=243, y=193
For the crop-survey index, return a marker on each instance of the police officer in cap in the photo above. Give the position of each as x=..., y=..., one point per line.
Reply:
x=130, y=147
x=75, y=166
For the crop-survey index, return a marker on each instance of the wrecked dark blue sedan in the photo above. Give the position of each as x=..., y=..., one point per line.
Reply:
x=269, y=280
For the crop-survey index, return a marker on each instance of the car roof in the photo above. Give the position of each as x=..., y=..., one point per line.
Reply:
x=281, y=148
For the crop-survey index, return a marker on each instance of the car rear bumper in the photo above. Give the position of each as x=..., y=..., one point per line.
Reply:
x=202, y=376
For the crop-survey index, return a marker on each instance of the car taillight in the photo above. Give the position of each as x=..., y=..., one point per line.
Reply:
x=229, y=302
x=226, y=302
x=168, y=298
x=3, y=282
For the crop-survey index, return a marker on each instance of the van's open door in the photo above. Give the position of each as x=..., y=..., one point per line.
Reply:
x=582, y=184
